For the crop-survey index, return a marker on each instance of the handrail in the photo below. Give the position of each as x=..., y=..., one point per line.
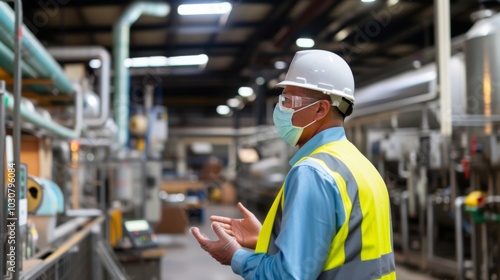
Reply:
x=62, y=249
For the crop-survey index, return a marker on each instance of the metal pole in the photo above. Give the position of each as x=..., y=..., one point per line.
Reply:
x=459, y=202
x=405, y=240
x=2, y=177
x=18, y=35
x=443, y=42
x=430, y=228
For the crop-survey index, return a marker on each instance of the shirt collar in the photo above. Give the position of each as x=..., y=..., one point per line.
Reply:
x=326, y=136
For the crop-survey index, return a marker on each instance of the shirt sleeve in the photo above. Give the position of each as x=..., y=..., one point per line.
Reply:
x=312, y=215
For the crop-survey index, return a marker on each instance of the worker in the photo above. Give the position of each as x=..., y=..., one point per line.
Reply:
x=331, y=218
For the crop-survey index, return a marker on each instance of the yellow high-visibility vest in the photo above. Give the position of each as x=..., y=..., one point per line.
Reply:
x=362, y=248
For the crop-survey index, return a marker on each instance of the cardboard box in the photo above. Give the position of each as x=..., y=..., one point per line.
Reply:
x=174, y=219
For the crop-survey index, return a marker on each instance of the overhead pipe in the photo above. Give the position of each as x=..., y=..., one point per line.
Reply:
x=51, y=126
x=91, y=52
x=34, y=54
x=443, y=39
x=121, y=41
x=7, y=62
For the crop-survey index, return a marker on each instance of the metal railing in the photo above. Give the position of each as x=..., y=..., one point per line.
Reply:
x=80, y=257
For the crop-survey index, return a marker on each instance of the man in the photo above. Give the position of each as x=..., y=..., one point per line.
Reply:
x=331, y=218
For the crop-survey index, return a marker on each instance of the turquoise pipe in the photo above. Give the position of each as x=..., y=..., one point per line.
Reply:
x=121, y=40
x=35, y=54
x=7, y=62
x=37, y=119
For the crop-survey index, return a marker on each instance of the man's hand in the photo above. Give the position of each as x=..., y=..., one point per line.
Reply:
x=246, y=230
x=223, y=249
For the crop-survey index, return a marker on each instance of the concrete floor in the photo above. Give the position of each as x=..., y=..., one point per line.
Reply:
x=185, y=260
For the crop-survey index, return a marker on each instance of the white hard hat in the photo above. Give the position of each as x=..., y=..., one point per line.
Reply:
x=322, y=71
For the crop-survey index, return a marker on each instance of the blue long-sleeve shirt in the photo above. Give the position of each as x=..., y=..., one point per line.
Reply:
x=312, y=215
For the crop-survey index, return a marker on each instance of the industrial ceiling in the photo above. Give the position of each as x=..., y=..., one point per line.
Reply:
x=243, y=45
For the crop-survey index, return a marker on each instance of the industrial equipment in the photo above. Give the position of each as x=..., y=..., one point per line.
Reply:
x=397, y=123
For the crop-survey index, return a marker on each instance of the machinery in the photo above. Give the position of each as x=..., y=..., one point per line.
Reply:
x=444, y=190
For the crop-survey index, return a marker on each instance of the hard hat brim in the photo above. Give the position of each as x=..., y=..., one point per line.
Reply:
x=314, y=87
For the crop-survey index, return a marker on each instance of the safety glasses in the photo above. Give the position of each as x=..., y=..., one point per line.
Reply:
x=293, y=102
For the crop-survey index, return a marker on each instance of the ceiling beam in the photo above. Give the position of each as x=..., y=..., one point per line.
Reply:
x=185, y=29
x=314, y=9
x=276, y=19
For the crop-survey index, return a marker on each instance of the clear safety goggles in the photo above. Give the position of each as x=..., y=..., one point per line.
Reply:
x=294, y=102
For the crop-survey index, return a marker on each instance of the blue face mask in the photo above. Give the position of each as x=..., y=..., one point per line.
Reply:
x=282, y=118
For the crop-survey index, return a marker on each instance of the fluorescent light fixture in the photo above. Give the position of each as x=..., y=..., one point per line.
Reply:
x=392, y=2
x=305, y=43
x=280, y=65
x=245, y=91
x=202, y=148
x=200, y=59
x=95, y=63
x=367, y=1
x=163, y=61
x=204, y=9
x=223, y=110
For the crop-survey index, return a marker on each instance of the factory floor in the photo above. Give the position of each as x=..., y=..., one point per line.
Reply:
x=185, y=260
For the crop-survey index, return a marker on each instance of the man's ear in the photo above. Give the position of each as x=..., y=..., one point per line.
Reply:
x=323, y=109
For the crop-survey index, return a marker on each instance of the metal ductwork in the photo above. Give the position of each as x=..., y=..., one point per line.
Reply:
x=121, y=40
x=87, y=53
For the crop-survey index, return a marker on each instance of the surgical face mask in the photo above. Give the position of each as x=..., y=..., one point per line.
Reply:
x=282, y=118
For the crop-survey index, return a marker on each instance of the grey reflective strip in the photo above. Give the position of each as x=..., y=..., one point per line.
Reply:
x=370, y=269
x=273, y=249
x=352, y=246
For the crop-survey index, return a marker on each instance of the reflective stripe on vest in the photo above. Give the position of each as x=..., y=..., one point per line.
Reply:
x=361, y=249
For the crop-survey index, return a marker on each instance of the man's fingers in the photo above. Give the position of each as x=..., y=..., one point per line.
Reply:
x=224, y=226
x=244, y=211
x=221, y=233
x=202, y=239
x=219, y=219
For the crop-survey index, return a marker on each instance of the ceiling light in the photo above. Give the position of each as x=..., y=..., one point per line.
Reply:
x=200, y=59
x=245, y=91
x=305, y=43
x=367, y=1
x=204, y=9
x=280, y=65
x=260, y=81
x=223, y=110
x=233, y=102
x=252, y=98
x=162, y=61
x=95, y=63
x=342, y=34
x=202, y=148
x=392, y=2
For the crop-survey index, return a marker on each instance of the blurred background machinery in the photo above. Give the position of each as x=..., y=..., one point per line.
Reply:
x=444, y=188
